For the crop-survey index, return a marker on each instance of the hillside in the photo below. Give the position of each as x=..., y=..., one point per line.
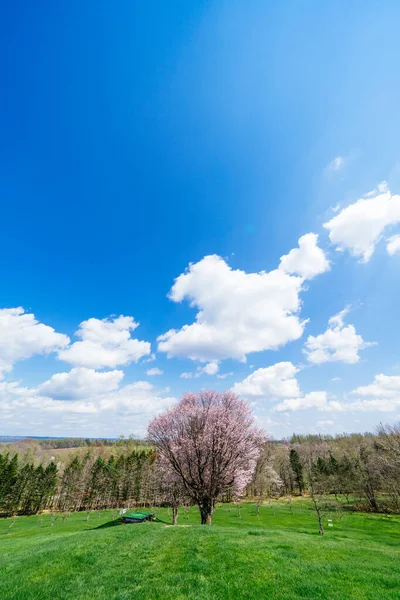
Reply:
x=274, y=555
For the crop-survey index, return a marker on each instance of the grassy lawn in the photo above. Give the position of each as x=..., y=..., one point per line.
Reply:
x=274, y=555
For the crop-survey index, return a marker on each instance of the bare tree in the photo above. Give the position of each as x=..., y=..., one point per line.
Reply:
x=266, y=482
x=387, y=447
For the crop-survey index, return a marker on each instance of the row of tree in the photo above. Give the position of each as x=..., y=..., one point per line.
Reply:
x=82, y=483
x=24, y=488
x=364, y=469
x=208, y=451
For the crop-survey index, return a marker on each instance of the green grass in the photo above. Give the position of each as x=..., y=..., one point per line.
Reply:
x=278, y=556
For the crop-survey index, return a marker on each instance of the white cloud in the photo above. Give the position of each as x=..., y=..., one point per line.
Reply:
x=308, y=260
x=154, y=371
x=238, y=312
x=279, y=382
x=336, y=164
x=393, y=245
x=359, y=227
x=9, y=391
x=318, y=400
x=186, y=375
x=210, y=368
x=384, y=392
x=324, y=424
x=225, y=375
x=340, y=342
x=384, y=386
x=22, y=336
x=151, y=358
x=276, y=381
x=373, y=405
x=79, y=383
x=126, y=409
x=105, y=343
x=137, y=398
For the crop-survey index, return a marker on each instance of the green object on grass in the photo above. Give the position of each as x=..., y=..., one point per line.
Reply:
x=137, y=517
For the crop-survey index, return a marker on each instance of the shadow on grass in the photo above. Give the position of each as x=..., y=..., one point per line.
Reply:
x=114, y=523
x=157, y=520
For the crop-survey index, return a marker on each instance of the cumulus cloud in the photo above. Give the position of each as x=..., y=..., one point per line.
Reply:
x=154, y=371
x=22, y=336
x=393, y=245
x=340, y=342
x=80, y=383
x=105, y=343
x=138, y=398
x=383, y=386
x=275, y=381
x=278, y=383
x=359, y=226
x=308, y=260
x=318, y=400
x=238, y=312
x=210, y=368
x=382, y=395
x=372, y=405
x=186, y=375
x=9, y=391
x=104, y=409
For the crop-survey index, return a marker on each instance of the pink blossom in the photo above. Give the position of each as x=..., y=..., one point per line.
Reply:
x=210, y=442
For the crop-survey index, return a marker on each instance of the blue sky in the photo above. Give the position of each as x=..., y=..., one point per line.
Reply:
x=139, y=138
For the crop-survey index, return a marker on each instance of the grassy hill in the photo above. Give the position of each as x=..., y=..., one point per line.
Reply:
x=274, y=555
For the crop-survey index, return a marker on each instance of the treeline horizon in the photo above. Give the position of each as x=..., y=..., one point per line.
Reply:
x=59, y=443
x=361, y=469
x=47, y=442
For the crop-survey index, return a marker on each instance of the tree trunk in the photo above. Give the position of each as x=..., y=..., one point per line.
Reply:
x=11, y=525
x=206, y=510
x=290, y=504
x=174, y=515
x=319, y=512
x=320, y=522
x=370, y=493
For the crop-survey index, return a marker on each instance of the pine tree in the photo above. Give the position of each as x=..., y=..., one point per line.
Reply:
x=297, y=469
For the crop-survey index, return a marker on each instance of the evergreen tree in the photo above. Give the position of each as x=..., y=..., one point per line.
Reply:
x=297, y=469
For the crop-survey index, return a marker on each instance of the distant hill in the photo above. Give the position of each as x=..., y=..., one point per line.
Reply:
x=6, y=439
x=17, y=438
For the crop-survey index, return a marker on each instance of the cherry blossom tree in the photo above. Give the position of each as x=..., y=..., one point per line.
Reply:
x=210, y=442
